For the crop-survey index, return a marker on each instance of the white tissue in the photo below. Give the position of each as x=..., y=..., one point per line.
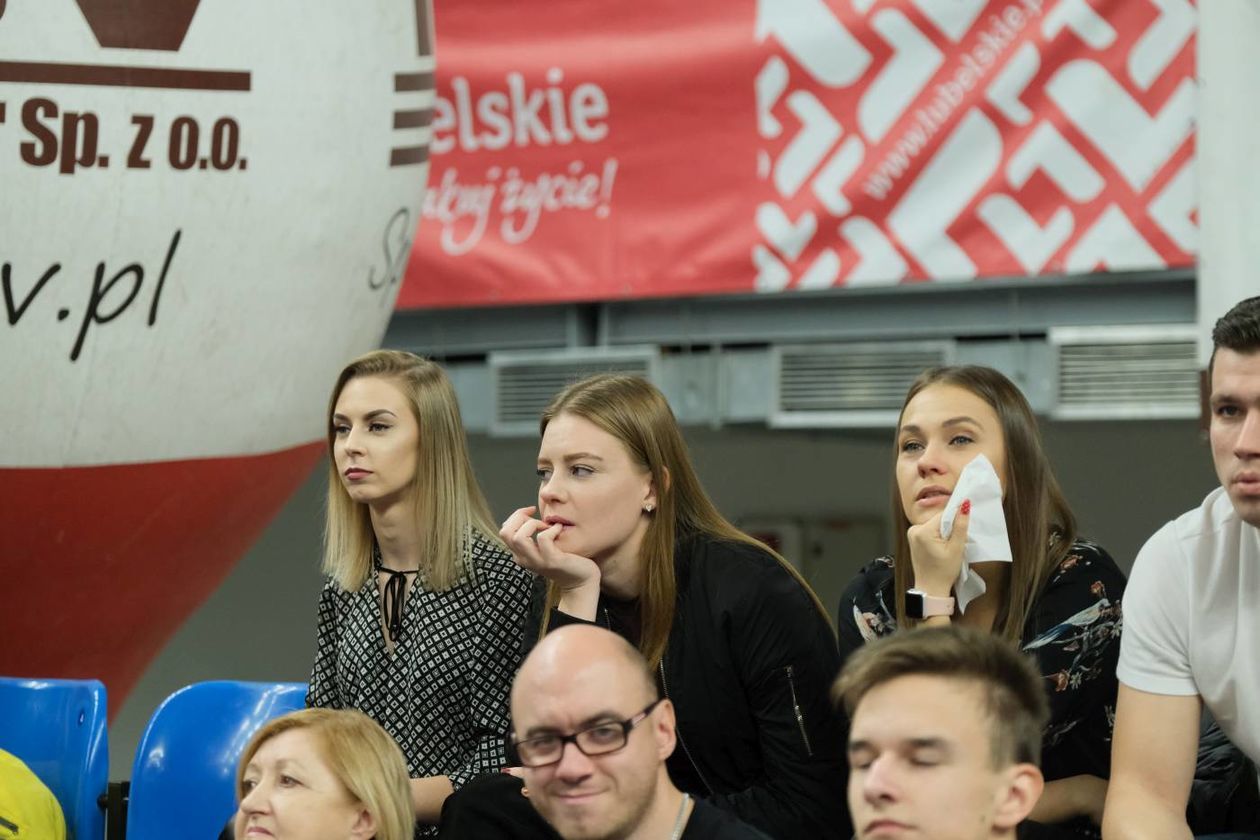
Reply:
x=987, y=540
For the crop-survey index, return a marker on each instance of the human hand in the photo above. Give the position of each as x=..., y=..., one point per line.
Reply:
x=937, y=561
x=533, y=546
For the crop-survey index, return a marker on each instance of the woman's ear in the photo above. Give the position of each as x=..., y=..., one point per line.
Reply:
x=651, y=501
x=653, y=494
x=1022, y=787
x=364, y=827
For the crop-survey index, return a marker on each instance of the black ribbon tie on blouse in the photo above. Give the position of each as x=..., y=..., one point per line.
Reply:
x=395, y=596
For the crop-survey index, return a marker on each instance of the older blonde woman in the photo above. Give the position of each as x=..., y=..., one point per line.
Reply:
x=323, y=774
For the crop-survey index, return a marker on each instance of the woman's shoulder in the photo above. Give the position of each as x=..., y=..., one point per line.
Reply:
x=875, y=573
x=491, y=564
x=867, y=600
x=750, y=562
x=495, y=575
x=870, y=583
x=332, y=589
x=337, y=605
x=488, y=554
x=732, y=572
x=1084, y=590
x=709, y=563
x=744, y=592
x=1087, y=563
x=720, y=552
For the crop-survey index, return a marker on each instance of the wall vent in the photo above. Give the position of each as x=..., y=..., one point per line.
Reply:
x=1127, y=372
x=849, y=385
x=524, y=383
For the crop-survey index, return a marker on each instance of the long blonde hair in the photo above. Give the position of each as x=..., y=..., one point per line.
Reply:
x=1039, y=522
x=362, y=756
x=449, y=504
x=634, y=412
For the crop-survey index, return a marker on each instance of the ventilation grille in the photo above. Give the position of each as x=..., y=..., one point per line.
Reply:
x=1128, y=374
x=849, y=385
x=524, y=384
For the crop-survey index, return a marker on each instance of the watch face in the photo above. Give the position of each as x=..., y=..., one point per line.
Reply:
x=914, y=605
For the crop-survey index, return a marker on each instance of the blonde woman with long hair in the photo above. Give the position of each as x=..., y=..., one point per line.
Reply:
x=323, y=774
x=420, y=618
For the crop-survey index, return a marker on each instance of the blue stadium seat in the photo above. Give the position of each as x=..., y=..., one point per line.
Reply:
x=58, y=728
x=183, y=779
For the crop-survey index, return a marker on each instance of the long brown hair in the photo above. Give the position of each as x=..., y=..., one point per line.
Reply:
x=1039, y=522
x=633, y=411
x=449, y=504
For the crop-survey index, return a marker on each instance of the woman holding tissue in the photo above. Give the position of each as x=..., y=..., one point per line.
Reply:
x=984, y=537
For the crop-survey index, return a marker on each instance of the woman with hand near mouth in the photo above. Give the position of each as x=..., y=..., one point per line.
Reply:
x=420, y=620
x=322, y=774
x=1059, y=597
x=626, y=537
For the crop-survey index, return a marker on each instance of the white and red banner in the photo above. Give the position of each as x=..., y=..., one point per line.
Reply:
x=594, y=151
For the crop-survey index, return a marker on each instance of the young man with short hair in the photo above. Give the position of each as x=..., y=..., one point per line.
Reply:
x=945, y=736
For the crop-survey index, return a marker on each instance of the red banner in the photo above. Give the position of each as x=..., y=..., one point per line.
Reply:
x=656, y=149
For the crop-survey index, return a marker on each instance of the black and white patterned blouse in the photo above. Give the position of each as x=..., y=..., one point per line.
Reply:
x=1073, y=632
x=442, y=694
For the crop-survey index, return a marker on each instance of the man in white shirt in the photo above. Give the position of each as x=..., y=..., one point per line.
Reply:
x=1192, y=612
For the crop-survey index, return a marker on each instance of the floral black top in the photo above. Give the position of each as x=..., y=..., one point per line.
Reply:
x=1073, y=632
x=442, y=694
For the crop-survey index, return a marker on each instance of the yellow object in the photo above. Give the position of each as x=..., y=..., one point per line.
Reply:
x=28, y=809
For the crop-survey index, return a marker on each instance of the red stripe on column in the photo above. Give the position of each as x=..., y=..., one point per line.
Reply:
x=102, y=564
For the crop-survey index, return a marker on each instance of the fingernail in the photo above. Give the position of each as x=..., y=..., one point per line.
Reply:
x=966, y=507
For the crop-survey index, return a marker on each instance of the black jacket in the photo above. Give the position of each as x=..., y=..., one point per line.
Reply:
x=748, y=666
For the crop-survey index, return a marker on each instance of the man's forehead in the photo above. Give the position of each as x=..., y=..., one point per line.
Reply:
x=567, y=714
x=1232, y=366
x=568, y=696
x=888, y=724
x=920, y=706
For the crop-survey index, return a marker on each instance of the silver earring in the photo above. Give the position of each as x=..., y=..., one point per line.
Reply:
x=647, y=508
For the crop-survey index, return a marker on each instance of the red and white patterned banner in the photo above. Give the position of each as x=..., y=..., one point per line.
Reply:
x=709, y=147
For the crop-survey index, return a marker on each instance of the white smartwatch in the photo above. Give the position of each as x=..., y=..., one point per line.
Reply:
x=920, y=605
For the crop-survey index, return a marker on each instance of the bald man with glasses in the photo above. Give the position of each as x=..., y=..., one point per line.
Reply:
x=591, y=734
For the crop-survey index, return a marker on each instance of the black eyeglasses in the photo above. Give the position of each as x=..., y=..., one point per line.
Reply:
x=600, y=739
